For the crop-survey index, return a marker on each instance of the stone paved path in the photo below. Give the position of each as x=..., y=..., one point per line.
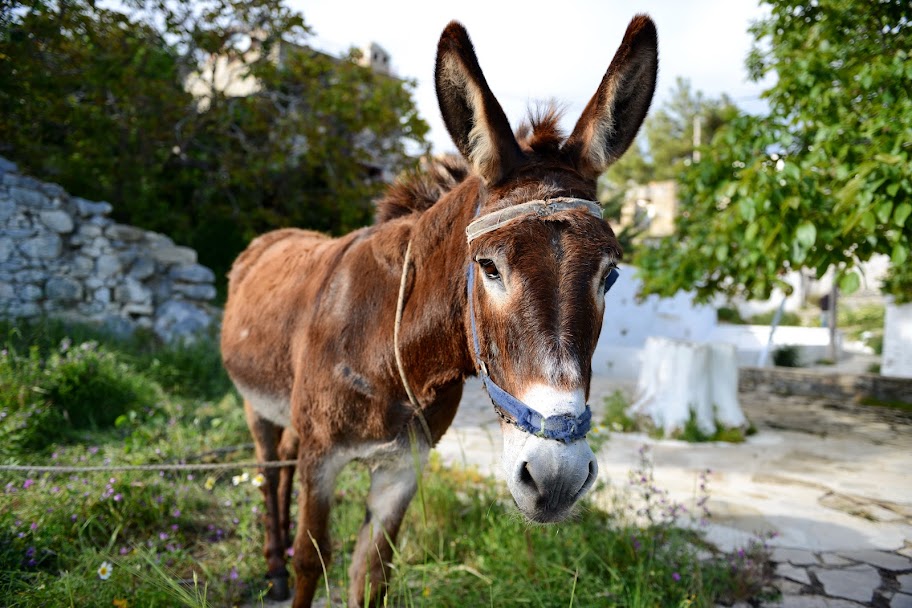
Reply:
x=834, y=481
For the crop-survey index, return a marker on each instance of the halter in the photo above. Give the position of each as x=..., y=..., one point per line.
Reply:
x=562, y=427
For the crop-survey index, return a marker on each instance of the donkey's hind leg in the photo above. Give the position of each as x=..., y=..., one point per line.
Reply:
x=288, y=450
x=393, y=485
x=266, y=436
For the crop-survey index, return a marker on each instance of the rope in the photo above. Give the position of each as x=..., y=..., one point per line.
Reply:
x=400, y=306
x=148, y=467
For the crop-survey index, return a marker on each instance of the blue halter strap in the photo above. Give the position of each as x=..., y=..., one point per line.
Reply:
x=565, y=427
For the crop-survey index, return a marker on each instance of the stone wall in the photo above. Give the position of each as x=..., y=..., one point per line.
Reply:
x=861, y=388
x=61, y=255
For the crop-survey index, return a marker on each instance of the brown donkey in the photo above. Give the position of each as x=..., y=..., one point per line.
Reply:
x=503, y=264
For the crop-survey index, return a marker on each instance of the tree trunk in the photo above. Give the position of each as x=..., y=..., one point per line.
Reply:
x=681, y=379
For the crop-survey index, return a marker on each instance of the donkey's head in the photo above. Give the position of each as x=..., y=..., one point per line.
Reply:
x=541, y=259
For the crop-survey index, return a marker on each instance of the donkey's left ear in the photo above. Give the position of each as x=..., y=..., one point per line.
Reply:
x=614, y=114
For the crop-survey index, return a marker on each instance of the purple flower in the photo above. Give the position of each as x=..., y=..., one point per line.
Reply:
x=34, y=526
x=176, y=513
x=27, y=484
x=163, y=536
x=233, y=575
x=675, y=576
x=124, y=550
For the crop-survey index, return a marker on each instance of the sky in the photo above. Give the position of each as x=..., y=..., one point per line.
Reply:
x=539, y=51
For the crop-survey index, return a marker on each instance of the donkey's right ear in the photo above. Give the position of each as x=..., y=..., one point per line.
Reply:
x=473, y=116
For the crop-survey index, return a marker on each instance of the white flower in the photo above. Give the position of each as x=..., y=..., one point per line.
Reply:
x=239, y=479
x=258, y=480
x=104, y=571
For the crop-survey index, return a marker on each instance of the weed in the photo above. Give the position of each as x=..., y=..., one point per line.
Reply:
x=787, y=355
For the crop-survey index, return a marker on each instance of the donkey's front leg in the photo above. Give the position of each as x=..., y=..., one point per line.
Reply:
x=312, y=550
x=393, y=484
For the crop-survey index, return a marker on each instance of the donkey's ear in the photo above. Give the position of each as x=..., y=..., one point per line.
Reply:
x=473, y=117
x=614, y=114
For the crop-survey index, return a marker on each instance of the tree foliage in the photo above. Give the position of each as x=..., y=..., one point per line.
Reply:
x=824, y=180
x=96, y=99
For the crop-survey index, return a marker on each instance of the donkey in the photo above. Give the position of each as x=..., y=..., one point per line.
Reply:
x=357, y=347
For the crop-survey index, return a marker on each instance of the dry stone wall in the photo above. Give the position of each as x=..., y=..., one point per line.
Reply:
x=61, y=255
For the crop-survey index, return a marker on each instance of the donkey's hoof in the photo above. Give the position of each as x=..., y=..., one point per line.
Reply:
x=278, y=588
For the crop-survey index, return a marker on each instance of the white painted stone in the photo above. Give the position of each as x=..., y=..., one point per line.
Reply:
x=897, y=346
x=854, y=583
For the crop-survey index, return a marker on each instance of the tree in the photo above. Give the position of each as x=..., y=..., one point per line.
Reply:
x=824, y=180
x=96, y=99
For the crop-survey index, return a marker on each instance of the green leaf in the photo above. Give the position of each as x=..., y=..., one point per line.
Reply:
x=868, y=222
x=751, y=231
x=900, y=253
x=884, y=210
x=893, y=188
x=849, y=283
x=806, y=234
x=901, y=214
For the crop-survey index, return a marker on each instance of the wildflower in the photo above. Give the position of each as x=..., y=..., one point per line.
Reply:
x=239, y=479
x=258, y=480
x=233, y=575
x=118, y=603
x=289, y=551
x=124, y=550
x=675, y=576
x=210, y=483
x=176, y=513
x=27, y=484
x=34, y=526
x=104, y=571
x=118, y=497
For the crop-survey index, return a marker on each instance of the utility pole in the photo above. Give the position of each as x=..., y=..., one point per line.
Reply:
x=698, y=128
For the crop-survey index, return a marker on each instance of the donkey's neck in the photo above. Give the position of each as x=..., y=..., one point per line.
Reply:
x=434, y=339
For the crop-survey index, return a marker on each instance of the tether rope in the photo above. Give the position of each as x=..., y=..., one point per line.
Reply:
x=400, y=306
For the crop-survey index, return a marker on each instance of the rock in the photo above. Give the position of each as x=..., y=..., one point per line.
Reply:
x=790, y=572
x=192, y=273
x=89, y=208
x=89, y=231
x=901, y=600
x=905, y=582
x=57, y=220
x=30, y=293
x=143, y=268
x=6, y=248
x=29, y=198
x=102, y=295
x=881, y=559
x=122, y=232
x=23, y=309
x=195, y=292
x=854, y=583
x=63, y=289
x=798, y=557
x=174, y=255
x=7, y=166
x=94, y=283
x=81, y=266
x=180, y=320
x=117, y=325
x=7, y=208
x=44, y=247
x=814, y=601
x=7, y=292
x=107, y=265
x=831, y=559
x=132, y=291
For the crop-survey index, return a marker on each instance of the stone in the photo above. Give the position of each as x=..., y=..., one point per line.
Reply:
x=117, y=325
x=90, y=231
x=7, y=166
x=107, y=265
x=57, y=220
x=102, y=295
x=29, y=198
x=31, y=276
x=881, y=559
x=44, y=247
x=143, y=268
x=831, y=559
x=901, y=600
x=814, y=601
x=7, y=292
x=81, y=266
x=89, y=208
x=177, y=320
x=155, y=240
x=6, y=248
x=7, y=209
x=23, y=309
x=30, y=293
x=122, y=232
x=94, y=283
x=905, y=582
x=192, y=273
x=63, y=289
x=195, y=292
x=797, y=557
x=793, y=573
x=174, y=255
x=132, y=291
x=855, y=583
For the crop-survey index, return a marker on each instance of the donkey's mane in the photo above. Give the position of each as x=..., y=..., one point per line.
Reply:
x=416, y=191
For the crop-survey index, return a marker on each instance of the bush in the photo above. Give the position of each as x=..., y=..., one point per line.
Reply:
x=787, y=356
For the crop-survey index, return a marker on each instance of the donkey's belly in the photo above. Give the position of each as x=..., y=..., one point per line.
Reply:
x=275, y=409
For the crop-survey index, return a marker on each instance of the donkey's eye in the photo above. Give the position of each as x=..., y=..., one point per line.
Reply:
x=490, y=270
x=610, y=278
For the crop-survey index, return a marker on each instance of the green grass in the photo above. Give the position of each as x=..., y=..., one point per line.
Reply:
x=194, y=539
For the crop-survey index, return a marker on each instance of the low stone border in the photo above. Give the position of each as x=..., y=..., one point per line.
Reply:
x=827, y=385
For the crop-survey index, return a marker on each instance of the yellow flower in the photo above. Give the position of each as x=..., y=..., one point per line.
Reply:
x=104, y=571
x=120, y=603
x=258, y=480
x=210, y=483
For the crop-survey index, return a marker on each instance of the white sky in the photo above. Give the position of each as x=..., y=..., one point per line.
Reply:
x=534, y=50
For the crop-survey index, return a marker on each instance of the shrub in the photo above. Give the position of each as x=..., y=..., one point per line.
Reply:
x=787, y=356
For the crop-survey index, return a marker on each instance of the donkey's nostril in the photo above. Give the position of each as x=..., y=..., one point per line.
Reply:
x=525, y=477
